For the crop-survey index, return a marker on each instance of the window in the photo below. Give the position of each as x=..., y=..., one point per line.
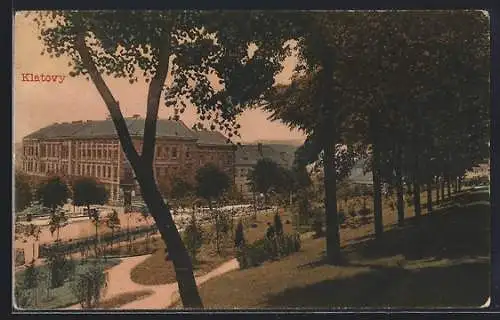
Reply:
x=93, y=153
x=99, y=154
x=165, y=152
x=105, y=154
x=115, y=172
x=98, y=171
x=188, y=155
x=174, y=153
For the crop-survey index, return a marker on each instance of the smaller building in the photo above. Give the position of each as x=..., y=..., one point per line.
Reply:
x=247, y=156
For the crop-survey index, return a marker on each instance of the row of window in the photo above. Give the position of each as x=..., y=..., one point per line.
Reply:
x=96, y=170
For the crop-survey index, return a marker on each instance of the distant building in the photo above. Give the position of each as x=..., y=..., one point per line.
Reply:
x=358, y=176
x=247, y=156
x=92, y=148
x=481, y=171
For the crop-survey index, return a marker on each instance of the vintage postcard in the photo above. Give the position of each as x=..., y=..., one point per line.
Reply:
x=251, y=160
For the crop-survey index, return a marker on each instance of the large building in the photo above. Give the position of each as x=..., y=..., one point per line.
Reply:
x=92, y=148
x=247, y=157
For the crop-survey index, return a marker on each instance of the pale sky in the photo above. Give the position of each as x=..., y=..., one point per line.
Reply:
x=39, y=104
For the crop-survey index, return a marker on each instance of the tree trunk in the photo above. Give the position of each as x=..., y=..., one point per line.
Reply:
x=442, y=189
x=429, y=196
x=399, y=187
x=448, y=186
x=437, y=190
x=169, y=233
x=377, y=195
x=179, y=255
x=416, y=199
x=332, y=228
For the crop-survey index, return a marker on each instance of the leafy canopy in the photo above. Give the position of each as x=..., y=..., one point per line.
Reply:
x=219, y=62
x=211, y=182
x=87, y=191
x=53, y=193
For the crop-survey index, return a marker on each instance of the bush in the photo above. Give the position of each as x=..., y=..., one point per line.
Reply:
x=239, y=236
x=278, y=226
x=193, y=239
x=88, y=285
x=317, y=227
x=365, y=212
x=266, y=249
x=342, y=217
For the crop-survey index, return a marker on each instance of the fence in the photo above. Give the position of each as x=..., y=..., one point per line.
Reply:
x=74, y=246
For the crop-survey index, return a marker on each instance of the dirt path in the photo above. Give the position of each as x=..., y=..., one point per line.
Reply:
x=164, y=295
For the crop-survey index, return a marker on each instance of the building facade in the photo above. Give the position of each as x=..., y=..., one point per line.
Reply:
x=92, y=149
x=247, y=157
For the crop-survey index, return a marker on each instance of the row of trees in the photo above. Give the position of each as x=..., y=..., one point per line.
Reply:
x=410, y=91
x=386, y=80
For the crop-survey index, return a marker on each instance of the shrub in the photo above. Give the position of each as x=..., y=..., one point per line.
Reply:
x=278, y=226
x=239, y=236
x=266, y=249
x=60, y=267
x=193, y=239
x=365, y=212
x=342, y=217
x=88, y=285
x=317, y=227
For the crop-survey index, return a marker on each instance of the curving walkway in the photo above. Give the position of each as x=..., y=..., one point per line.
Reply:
x=164, y=295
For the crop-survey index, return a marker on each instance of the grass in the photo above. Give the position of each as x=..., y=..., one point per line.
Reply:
x=124, y=298
x=58, y=297
x=156, y=270
x=441, y=261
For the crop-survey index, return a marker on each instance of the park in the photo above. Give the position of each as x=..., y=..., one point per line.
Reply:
x=386, y=203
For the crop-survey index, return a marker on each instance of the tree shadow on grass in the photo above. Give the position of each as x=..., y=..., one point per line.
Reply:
x=448, y=233
x=441, y=260
x=462, y=285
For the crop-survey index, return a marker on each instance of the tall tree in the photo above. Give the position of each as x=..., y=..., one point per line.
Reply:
x=87, y=192
x=194, y=48
x=211, y=183
x=265, y=176
x=113, y=223
x=22, y=192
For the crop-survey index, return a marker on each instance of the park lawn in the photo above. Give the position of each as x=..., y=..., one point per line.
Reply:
x=156, y=270
x=124, y=298
x=58, y=297
x=443, y=261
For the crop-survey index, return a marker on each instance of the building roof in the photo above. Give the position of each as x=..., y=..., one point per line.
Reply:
x=248, y=155
x=211, y=138
x=105, y=128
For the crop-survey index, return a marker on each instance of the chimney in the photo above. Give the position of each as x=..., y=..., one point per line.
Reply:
x=259, y=149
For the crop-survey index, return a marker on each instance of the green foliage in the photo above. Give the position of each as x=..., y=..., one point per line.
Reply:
x=30, y=280
x=266, y=249
x=113, y=221
x=88, y=284
x=265, y=176
x=87, y=191
x=317, y=227
x=239, y=236
x=193, y=238
x=211, y=182
x=181, y=189
x=53, y=193
x=60, y=267
x=278, y=225
x=22, y=192
x=58, y=219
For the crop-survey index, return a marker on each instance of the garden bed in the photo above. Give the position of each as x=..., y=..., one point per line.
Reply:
x=55, y=298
